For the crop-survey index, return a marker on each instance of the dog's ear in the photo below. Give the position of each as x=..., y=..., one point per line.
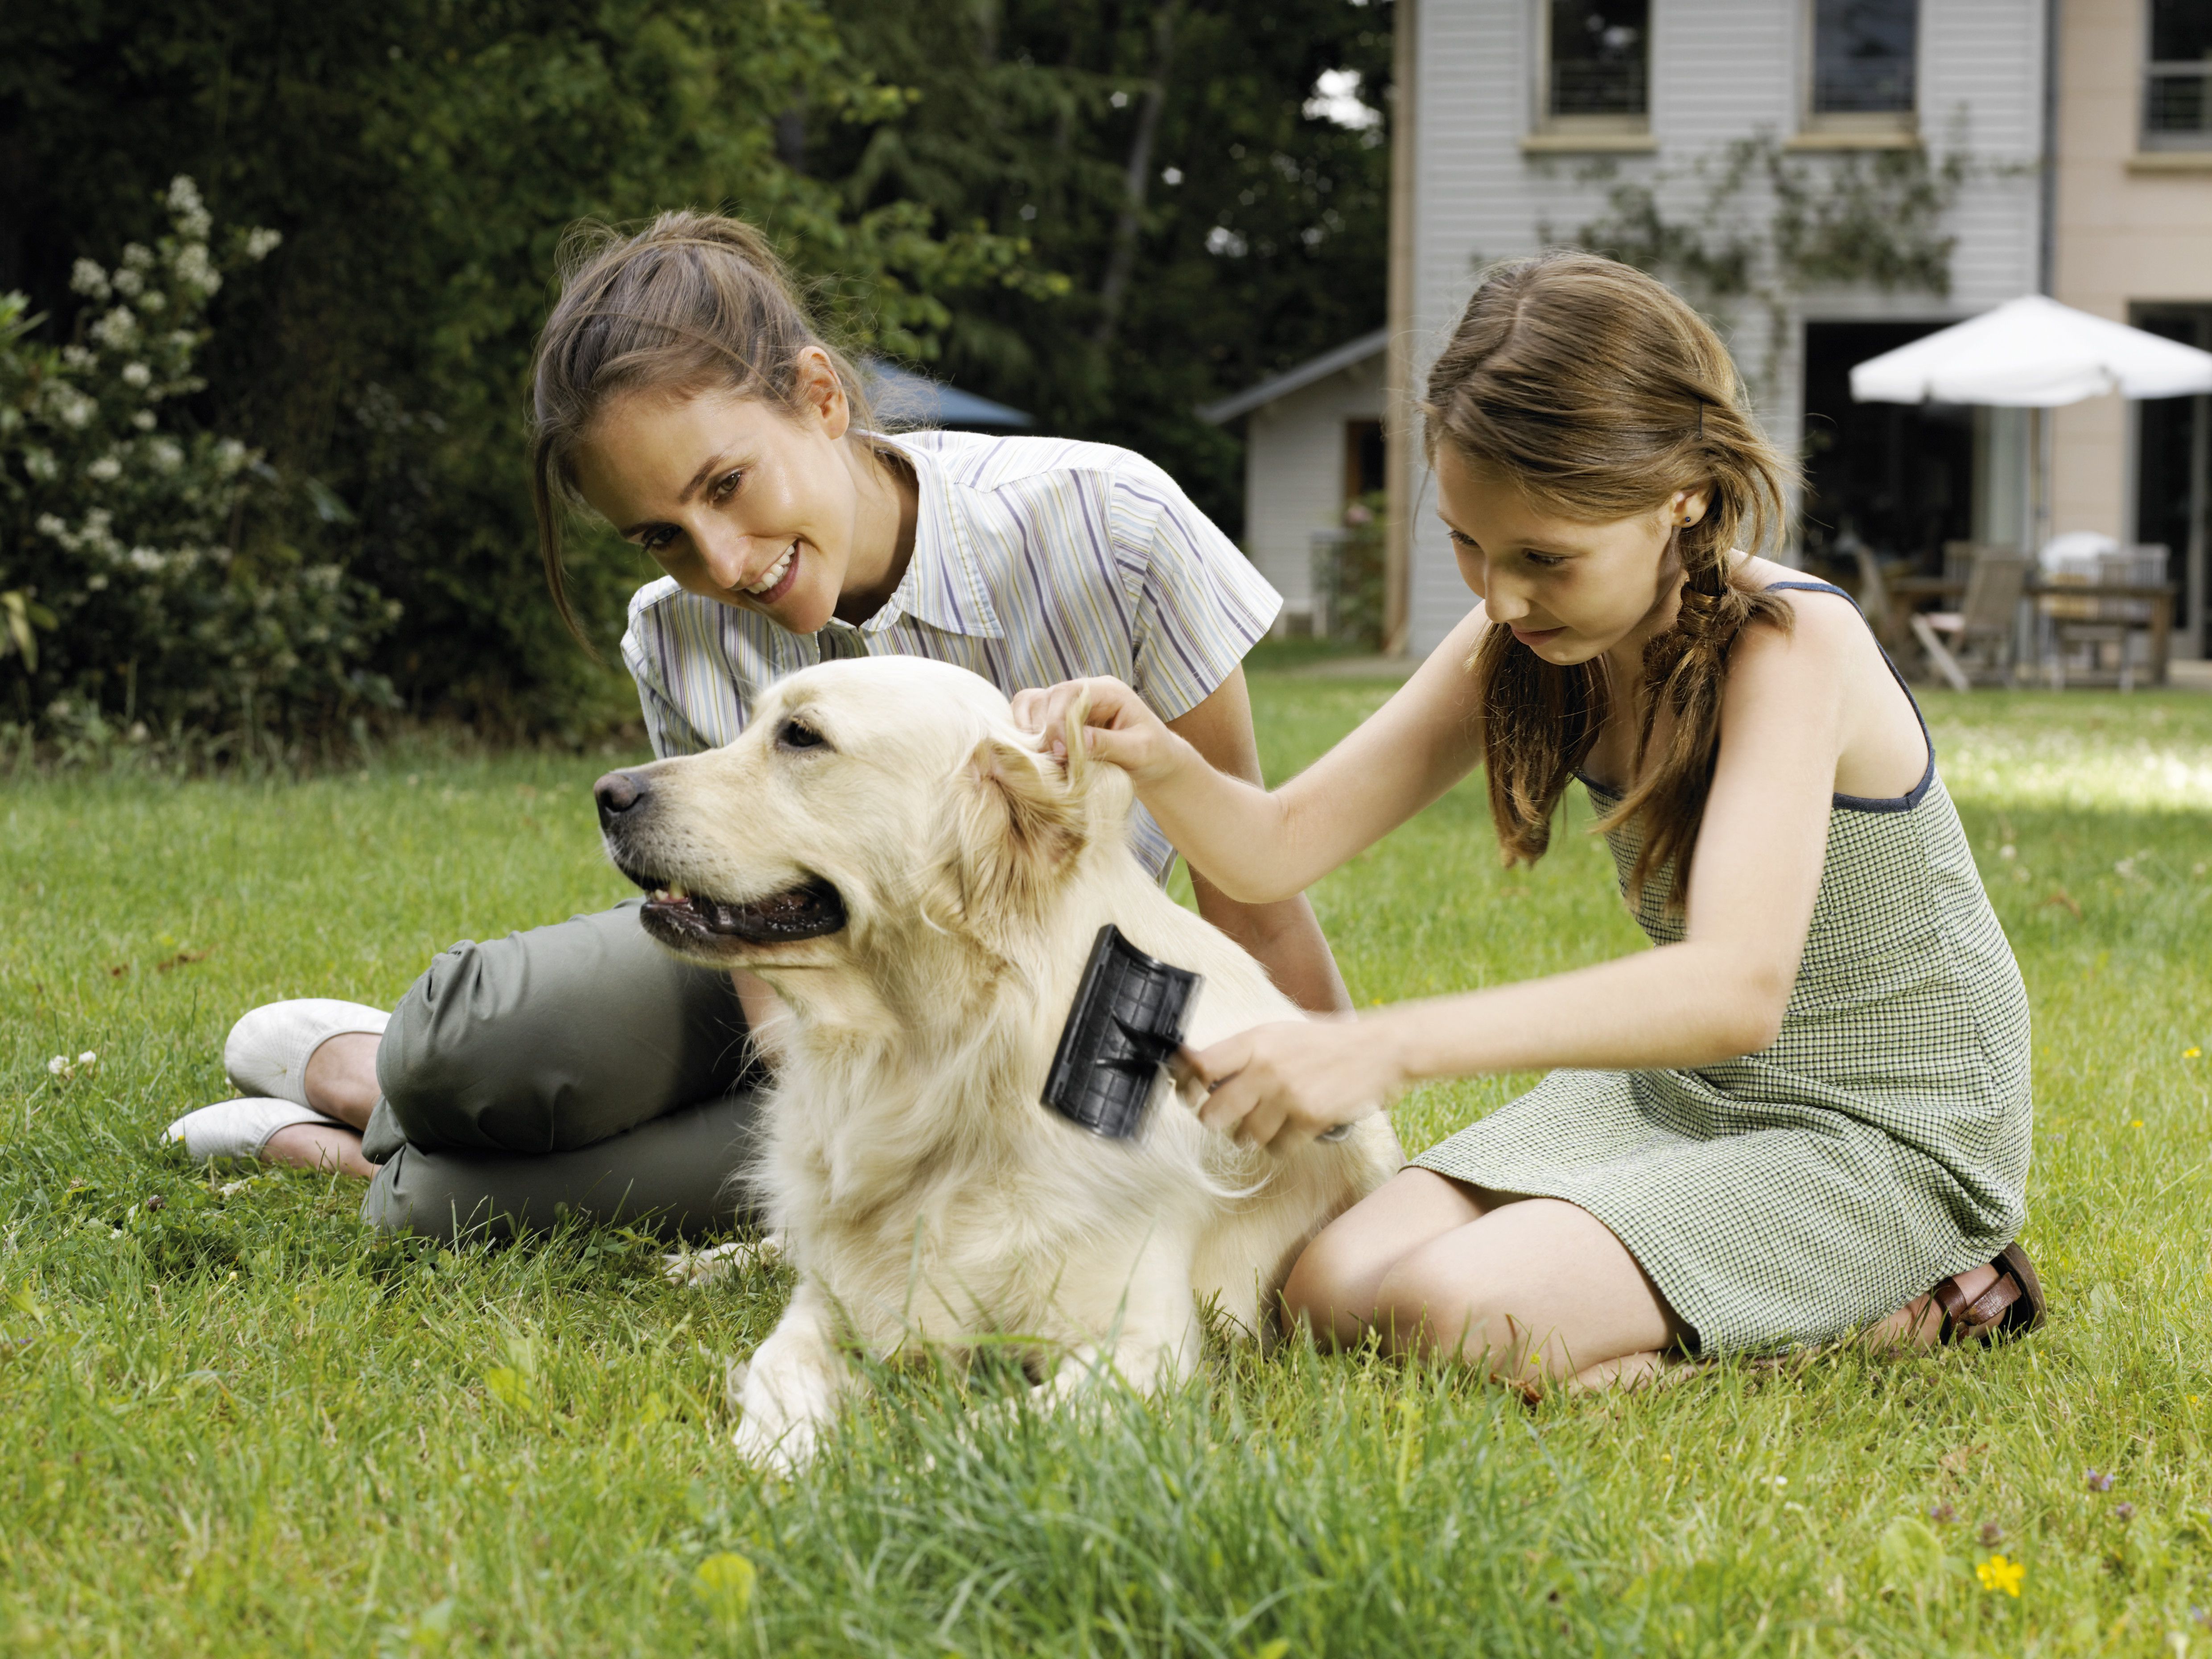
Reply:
x=1013, y=828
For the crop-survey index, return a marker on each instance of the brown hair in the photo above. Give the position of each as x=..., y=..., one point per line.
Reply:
x=695, y=301
x=1599, y=394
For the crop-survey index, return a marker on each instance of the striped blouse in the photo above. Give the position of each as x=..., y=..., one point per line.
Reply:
x=1036, y=560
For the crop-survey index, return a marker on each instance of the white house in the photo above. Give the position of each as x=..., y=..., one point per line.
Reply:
x=1515, y=119
x=1313, y=444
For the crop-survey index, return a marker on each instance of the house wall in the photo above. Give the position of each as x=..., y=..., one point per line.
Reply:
x=1720, y=69
x=2126, y=233
x=1294, y=473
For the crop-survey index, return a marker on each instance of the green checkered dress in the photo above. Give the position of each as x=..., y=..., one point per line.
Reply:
x=1879, y=1145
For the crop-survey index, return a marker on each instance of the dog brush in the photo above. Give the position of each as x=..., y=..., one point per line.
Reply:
x=1127, y=1023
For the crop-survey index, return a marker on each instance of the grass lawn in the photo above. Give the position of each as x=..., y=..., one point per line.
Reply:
x=232, y=1422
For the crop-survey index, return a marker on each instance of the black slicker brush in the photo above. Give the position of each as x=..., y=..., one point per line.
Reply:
x=1127, y=1023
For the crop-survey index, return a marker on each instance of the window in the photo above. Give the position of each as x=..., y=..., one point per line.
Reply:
x=1596, y=65
x=2178, y=79
x=1865, y=53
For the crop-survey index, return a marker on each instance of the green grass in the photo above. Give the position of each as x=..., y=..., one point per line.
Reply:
x=237, y=1423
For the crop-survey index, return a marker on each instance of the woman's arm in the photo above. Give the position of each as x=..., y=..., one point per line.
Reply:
x=1260, y=848
x=1719, y=993
x=1284, y=935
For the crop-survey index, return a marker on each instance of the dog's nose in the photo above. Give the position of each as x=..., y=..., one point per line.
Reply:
x=619, y=792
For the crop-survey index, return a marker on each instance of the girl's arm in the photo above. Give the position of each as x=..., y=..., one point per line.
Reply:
x=1260, y=848
x=1284, y=936
x=1719, y=993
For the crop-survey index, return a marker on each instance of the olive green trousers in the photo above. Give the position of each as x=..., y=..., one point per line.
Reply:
x=576, y=1070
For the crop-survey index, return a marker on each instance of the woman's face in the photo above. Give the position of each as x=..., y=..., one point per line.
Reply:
x=1568, y=589
x=740, y=500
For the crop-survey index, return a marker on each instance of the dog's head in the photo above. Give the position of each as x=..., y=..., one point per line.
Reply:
x=867, y=799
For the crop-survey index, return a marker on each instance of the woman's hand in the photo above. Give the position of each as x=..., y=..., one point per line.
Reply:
x=1118, y=727
x=1279, y=1085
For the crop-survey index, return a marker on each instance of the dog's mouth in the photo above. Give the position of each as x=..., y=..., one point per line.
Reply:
x=809, y=910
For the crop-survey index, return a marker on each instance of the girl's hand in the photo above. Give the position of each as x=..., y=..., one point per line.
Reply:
x=1279, y=1085
x=1119, y=727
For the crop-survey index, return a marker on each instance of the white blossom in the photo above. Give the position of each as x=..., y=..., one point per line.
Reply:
x=192, y=267
x=87, y=278
x=50, y=526
x=153, y=301
x=96, y=584
x=137, y=257
x=40, y=464
x=146, y=559
x=143, y=419
x=230, y=456
x=186, y=208
x=167, y=454
x=107, y=469
x=261, y=243
x=129, y=282
x=116, y=330
x=76, y=356
x=58, y=1065
x=136, y=375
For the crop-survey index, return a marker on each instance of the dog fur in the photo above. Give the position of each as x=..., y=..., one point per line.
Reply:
x=922, y=1191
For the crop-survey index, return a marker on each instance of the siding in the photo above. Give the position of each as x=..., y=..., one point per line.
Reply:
x=1294, y=473
x=1720, y=69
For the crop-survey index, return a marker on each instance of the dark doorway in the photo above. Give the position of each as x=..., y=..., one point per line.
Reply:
x=1901, y=476
x=1362, y=458
x=2173, y=454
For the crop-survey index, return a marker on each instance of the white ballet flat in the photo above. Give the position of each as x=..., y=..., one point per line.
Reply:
x=267, y=1052
x=237, y=1128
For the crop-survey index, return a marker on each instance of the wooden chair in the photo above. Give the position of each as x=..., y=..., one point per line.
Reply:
x=1977, y=639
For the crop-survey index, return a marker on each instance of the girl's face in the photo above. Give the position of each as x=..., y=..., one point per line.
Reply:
x=1570, y=590
x=740, y=500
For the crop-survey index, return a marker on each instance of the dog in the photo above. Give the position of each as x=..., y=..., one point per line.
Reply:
x=921, y=884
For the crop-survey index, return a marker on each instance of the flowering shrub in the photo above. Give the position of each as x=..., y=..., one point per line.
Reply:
x=146, y=584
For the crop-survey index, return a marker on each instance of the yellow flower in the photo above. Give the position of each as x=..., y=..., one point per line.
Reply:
x=1998, y=1574
x=2192, y=1051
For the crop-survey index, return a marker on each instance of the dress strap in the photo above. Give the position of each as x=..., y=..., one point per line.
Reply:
x=1907, y=801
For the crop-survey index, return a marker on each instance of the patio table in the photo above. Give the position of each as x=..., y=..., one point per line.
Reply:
x=1911, y=591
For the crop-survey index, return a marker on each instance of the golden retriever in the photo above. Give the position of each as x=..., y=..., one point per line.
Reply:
x=921, y=886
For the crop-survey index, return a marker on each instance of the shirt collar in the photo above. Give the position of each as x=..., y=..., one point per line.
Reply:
x=943, y=582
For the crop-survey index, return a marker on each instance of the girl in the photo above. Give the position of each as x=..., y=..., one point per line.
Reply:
x=680, y=395
x=1809, y=1103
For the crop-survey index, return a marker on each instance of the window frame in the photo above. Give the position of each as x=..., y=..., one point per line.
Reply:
x=1853, y=129
x=1626, y=130
x=2148, y=142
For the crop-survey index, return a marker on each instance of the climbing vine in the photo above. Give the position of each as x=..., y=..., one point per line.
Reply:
x=1764, y=225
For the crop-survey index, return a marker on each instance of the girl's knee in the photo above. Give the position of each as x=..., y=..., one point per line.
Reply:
x=1332, y=1283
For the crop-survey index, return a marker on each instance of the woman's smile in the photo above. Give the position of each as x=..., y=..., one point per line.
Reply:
x=775, y=581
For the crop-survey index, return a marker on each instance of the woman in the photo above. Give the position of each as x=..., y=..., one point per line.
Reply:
x=681, y=395
x=1807, y=1110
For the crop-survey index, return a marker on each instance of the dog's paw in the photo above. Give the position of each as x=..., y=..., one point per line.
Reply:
x=782, y=1449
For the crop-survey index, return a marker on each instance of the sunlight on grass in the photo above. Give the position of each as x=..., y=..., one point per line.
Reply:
x=232, y=1421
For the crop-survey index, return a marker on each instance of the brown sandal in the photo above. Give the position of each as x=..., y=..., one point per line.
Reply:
x=2011, y=1307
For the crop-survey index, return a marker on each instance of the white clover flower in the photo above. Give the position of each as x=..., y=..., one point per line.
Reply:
x=87, y=278
x=192, y=267
x=261, y=243
x=129, y=282
x=166, y=454
x=137, y=255
x=59, y=1065
x=143, y=419
x=88, y=1057
x=116, y=330
x=41, y=466
x=106, y=469
x=136, y=375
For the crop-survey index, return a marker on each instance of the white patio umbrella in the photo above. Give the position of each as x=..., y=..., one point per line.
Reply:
x=2032, y=353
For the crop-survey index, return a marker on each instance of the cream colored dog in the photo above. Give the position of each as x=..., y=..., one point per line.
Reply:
x=886, y=849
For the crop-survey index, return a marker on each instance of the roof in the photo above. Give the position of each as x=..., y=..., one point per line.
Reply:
x=905, y=399
x=1290, y=379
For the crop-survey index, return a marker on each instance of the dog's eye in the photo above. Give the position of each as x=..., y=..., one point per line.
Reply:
x=796, y=733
